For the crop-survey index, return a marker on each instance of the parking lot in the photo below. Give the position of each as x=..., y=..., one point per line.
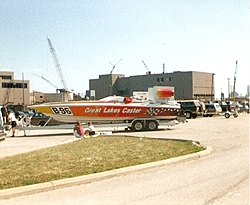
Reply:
x=220, y=178
x=40, y=137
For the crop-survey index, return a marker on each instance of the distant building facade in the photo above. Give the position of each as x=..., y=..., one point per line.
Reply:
x=14, y=93
x=39, y=97
x=187, y=85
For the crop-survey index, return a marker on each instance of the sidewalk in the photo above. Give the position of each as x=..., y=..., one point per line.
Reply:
x=37, y=138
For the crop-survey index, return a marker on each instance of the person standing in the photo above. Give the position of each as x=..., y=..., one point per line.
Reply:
x=13, y=121
x=78, y=130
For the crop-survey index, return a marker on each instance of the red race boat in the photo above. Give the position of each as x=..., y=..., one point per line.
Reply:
x=142, y=114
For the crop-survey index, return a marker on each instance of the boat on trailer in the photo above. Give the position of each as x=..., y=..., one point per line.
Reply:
x=141, y=114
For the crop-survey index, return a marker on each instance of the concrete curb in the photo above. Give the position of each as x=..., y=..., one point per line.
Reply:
x=2, y=136
x=47, y=186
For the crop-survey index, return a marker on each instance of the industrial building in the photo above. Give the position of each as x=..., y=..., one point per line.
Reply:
x=187, y=85
x=14, y=93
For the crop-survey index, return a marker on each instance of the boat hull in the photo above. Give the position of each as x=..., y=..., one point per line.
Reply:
x=91, y=111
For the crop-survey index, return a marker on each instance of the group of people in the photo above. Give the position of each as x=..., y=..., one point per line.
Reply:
x=79, y=132
x=78, y=129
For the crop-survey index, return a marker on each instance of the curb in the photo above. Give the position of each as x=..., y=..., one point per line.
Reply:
x=2, y=136
x=53, y=185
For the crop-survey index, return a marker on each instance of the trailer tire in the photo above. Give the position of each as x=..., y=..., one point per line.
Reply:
x=152, y=125
x=227, y=115
x=42, y=123
x=236, y=115
x=137, y=125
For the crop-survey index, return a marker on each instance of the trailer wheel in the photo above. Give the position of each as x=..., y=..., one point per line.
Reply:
x=235, y=115
x=152, y=125
x=42, y=123
x=137, y=125
x=227, y=115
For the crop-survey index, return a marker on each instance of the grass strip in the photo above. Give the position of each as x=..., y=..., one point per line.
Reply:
x=87, y=156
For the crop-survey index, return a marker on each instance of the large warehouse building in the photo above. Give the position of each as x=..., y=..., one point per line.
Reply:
x=187, y=85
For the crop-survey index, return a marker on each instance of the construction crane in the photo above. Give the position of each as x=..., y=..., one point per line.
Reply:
x=57, y=65
x=235, y=75
x=41, y=76
x=114, y=66
x=148, y=72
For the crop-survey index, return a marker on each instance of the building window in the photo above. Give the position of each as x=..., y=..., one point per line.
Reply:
x=14, y=85
x=168, y=79
x=160, y=80
x=5, y=77
x=203, y=95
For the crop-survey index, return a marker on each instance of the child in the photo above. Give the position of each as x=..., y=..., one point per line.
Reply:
x=78, y=130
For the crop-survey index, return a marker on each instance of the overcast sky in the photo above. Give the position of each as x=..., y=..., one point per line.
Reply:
x=88, y=35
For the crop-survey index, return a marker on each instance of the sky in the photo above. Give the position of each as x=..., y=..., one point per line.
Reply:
x=91, y=35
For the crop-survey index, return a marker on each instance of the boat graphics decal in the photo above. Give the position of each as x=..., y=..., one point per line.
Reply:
x=110, y=111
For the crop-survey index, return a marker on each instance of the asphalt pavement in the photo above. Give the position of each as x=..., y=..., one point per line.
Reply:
x=42, y=137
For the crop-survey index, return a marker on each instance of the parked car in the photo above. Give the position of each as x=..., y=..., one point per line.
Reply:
x=212, y=109
x=239, y=107
x=190, y=108
x=223, y=105
x=231, y=106
x=40, y=119
x=245, y=107
x=28, y=113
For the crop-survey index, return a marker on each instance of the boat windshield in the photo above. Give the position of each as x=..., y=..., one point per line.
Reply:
x=112, y=99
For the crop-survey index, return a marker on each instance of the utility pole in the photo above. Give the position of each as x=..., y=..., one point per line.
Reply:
x=23, y=91
x=228, y=88
x=212, y=87
x=235, y=74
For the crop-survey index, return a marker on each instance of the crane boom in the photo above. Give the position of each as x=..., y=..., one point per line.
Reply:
x=114, y=66
x=148, y=72
x=235, y=75
x=46, y=80
x=145, y=65
x=57, y=64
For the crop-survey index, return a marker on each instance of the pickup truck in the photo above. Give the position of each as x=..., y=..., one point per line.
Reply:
x=190, y=108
